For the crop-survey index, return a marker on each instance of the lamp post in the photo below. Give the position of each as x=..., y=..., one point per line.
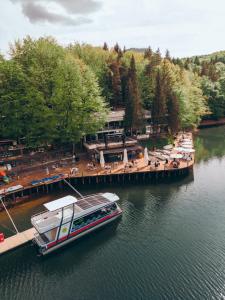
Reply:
x=73, y=157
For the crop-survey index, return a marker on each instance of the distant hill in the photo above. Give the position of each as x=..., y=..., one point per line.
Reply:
x=218, y=55
x=139, y=50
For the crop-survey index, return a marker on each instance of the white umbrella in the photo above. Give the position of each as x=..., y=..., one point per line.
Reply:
x=179, y=149
x=176, y=155
x=168, y=147
x=102, y=160
x=186, y=143
x=187, y=146
x=189, y=150
x=146, y=158
x=185, y=150
x=125, y=158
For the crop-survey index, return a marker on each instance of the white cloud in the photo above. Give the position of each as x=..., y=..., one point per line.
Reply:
x=184, y=27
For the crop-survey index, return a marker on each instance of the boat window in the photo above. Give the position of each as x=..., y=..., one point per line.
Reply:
x=50, y=235
x=77, y=224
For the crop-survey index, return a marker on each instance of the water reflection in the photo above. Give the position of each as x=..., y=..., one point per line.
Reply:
x=169, y=243
x=210, y=143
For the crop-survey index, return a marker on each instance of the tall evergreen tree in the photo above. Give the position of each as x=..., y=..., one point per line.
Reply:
x=148, y=53
x=173, y=113
x=120, y=55
x=167, y=56
x=116, y=84
x=159, y=105
x=197, y=61
x=128, y=118
x=105, y=47
x=158, y=56
x=117, y=48
x=134, y=110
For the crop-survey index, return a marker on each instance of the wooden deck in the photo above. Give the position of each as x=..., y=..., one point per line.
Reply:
x=17, y=240
x=84, y=172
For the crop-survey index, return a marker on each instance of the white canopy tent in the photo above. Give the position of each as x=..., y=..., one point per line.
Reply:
x=146, y=157
x=125, y=157
x=184, y=150
x=186, y=146
x=186, y=143
x=176, y=155
x=179, y=149
x=60, y=203
x=102, y=160
x=188, y=150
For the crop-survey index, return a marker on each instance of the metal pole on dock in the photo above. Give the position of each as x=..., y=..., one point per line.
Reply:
x=9, y=215
x=73, y=188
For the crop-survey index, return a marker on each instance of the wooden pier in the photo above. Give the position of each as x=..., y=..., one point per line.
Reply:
x=17, y=240
x=117, y=173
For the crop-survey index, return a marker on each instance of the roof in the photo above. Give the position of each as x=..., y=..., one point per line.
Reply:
x=111, y=197
x=50, y=219
x=118, y=115
x=60, y=203
x=121, y=150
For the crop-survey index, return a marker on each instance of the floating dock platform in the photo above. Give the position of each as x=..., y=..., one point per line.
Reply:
x=17, y=240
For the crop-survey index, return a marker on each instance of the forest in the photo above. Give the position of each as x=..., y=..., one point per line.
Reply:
x=55, y=94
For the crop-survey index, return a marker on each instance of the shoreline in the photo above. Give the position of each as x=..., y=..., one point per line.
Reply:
x=211, y=123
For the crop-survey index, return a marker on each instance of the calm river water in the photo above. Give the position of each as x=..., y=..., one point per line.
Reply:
x=169, y=244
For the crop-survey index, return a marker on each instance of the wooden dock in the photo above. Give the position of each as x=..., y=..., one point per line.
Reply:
x=85, y=176
x=17, y=240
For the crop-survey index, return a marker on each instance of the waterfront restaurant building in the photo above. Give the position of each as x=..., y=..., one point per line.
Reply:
x=112, y=139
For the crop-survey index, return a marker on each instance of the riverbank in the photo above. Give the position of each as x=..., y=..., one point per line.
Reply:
x=211, y=123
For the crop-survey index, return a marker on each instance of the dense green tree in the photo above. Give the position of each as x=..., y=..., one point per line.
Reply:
x=77, y=101
x=215, y=95
x=24, y=112
x=47, y=95
x=134, y=116
x=53, y=94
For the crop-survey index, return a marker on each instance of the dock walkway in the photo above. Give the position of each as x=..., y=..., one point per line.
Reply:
x=17, y=240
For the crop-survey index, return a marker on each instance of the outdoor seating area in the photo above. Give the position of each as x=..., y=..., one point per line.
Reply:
x=180, y=155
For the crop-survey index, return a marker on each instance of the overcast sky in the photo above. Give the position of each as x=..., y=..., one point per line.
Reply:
x=185, y=27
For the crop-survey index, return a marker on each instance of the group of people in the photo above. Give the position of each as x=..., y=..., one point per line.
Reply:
x=91, y=166
x=130, y=165
x=154, y=163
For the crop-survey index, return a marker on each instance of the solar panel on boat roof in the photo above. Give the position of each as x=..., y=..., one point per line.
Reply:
x=91, y=201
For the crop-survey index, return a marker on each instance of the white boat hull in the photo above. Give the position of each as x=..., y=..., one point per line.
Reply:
x=71, y=239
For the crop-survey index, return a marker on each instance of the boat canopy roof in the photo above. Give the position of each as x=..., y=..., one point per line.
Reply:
x=52, y=218
x=60, y=203
x=111, y=197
